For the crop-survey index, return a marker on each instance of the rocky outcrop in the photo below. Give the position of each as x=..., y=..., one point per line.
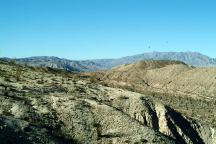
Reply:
x=164, y=119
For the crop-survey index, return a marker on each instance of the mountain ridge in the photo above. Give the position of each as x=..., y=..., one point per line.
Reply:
x=190, y=58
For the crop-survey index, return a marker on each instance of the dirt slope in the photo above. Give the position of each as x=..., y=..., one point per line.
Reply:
x=165, y=76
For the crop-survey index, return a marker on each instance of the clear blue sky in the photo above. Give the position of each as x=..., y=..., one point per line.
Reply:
x=87, y=29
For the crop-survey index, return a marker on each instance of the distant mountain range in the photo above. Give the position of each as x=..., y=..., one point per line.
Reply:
x=190, y=58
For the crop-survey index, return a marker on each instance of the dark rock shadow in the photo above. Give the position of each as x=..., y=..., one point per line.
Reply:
x=184, y=125
x=11, y=135
x=8, y=135
x=151, y=110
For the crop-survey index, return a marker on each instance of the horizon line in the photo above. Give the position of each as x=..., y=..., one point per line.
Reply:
x=107, y=58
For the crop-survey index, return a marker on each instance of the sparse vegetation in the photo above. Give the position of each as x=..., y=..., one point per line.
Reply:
x=93, y=78
x=52, y=105
x=18, y=73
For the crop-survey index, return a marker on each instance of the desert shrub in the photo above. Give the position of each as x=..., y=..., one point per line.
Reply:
x=18, y=73
x=93, y=78
x=144, y=141
x=124, y=97
x=7, y=78
x=40, y=81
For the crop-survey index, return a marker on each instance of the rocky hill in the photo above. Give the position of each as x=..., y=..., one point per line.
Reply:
x=166, y=76
x=43, y=105
x=187, y=89
x=191, y=58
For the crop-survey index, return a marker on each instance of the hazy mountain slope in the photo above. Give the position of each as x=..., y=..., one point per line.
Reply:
x=40, y=106
x=55, y=62
x=191, y=58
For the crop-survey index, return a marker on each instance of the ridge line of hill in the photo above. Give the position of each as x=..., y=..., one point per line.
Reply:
x=190, y=58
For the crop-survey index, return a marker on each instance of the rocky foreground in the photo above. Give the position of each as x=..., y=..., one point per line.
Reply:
x=51, y=106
